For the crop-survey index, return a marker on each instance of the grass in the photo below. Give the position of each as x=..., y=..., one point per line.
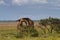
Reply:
x=10, y=32
x=11, y=35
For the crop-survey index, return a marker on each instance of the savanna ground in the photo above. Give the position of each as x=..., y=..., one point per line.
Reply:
x=8, y=31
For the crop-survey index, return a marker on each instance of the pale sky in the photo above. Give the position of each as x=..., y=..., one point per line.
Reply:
x=33, y=9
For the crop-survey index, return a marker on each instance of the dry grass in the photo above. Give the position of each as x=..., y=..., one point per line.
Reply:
x=9, y=30
x=6, y=26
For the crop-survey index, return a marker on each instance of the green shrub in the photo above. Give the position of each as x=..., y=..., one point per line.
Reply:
x=19, y=35
x=57, y=28
x=33, y=33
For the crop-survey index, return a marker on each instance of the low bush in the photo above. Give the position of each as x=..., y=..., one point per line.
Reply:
x=57, y=28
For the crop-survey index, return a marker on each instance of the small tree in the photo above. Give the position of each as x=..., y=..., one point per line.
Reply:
x=53, y=22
